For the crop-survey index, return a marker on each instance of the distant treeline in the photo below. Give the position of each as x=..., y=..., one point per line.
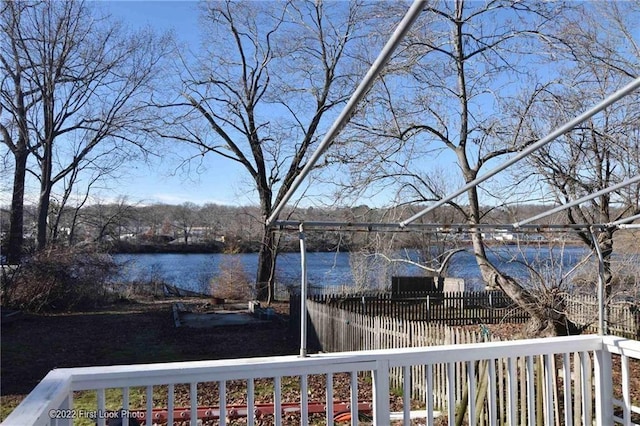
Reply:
x=212, y=228
x=207, y=247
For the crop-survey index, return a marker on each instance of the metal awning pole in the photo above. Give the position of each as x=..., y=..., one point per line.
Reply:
x=303, y=294
x=602, y=321
x=580, y=200
x=362, y=89
x=624, y=220
x=629, y=88
x=435, y=227
x=629, y=226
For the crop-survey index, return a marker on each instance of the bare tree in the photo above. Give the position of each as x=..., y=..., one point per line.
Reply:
x=17, y=97
x=77, y=89
x=72, y=212
x=453, y=101
x=185, y=218
x=261, y=94
x=599, y=54
x=106, y=220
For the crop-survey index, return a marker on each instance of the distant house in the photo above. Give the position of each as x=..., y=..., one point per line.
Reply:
x=504, y=236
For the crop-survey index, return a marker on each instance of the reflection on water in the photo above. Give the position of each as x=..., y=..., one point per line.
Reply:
x=194, y=271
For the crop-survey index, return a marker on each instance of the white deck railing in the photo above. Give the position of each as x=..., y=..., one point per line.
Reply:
x=590, y=400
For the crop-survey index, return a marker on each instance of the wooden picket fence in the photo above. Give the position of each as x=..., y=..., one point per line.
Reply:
x=337, y=330
x=479, y=307
x=623, y=317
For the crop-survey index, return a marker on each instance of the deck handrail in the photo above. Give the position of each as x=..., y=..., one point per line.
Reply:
x=50, y=393
x=55, y=390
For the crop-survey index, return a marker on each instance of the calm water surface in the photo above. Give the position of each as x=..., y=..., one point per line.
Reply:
x=194, y=271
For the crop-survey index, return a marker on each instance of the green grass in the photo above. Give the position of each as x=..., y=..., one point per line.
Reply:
x=397, y=392
x=6, y=408
x=87, y=402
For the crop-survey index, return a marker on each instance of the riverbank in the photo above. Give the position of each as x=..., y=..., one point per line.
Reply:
x=216, y=247
x=126, y=247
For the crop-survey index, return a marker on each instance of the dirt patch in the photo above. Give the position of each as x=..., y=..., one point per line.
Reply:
x=198, y=315
x=126, y=333
x=217, y=319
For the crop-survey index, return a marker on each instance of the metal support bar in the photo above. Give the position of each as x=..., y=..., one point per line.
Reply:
x=435, y=227
x=635, y=84
x=602, y=325
x=303, y=294
x=629, y=226
x=625, y=220
x=580, y=200
x=346, y=114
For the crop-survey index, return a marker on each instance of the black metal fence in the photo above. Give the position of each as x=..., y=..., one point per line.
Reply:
x=459, y=308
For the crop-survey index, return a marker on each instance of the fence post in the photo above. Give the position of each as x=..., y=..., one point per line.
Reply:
x=603, y=386
x=381, y=411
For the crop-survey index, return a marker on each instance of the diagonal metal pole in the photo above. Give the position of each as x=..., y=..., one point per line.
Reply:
x=629, y=226
x=635, y=84
x=579, y=201
x=624, y=220
x=362, y=89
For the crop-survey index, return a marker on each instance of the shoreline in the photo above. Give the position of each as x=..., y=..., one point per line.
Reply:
x=217, y=248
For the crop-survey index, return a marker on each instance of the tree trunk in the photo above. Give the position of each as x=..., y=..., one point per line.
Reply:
x=46, y=166
x=45, y=196
x=265, y=281
x=15, y=245
x=479, y=252
x=486, y=268
x=548, y=316
x=606, y=246
x=72, y=228
x=43, y=215
x=547, y=309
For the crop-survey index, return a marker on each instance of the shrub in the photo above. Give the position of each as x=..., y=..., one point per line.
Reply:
x=149, y=284
x=232, y=282
x=61, y=279
x=624, y=284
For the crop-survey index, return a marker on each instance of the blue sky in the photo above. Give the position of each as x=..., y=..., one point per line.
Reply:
x=161, y=181
x=219, y=181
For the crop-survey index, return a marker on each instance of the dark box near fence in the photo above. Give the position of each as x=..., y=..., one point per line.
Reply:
x=408, y=287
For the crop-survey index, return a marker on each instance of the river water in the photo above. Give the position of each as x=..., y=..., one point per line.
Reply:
x=194, y=271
